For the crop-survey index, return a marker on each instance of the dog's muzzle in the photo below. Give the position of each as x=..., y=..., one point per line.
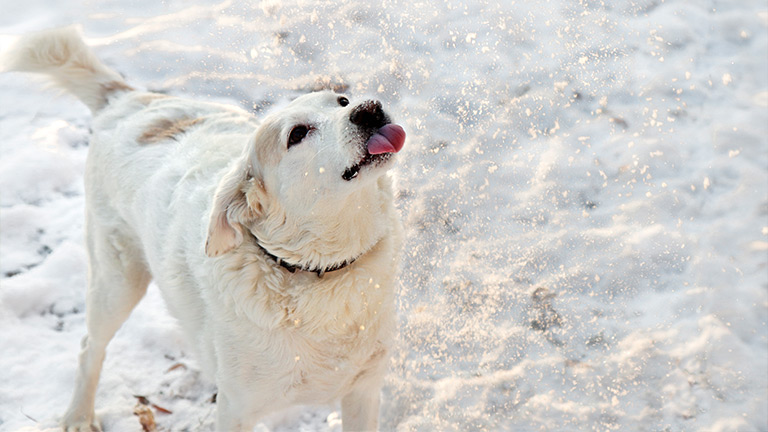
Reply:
x=384, y=137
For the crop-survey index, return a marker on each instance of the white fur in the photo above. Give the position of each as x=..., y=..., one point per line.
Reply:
x=183, y=210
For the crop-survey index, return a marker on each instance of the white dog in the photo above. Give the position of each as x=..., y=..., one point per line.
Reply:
x=274, y=242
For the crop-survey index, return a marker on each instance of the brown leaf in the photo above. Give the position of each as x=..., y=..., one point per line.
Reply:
x=161, y=409
x=146, y=418
x=141, y=399
x=176, y=366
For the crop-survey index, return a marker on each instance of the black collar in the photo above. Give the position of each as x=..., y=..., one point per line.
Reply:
x=292, y=268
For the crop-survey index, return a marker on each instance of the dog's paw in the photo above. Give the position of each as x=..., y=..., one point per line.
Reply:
x=80, y=425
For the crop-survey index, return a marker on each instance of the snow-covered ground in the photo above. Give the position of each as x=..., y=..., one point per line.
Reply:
x=584, y=189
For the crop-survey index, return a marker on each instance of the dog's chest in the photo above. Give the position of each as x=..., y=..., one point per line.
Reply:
x=329, y=372
x=304, y=341
x=305, y=370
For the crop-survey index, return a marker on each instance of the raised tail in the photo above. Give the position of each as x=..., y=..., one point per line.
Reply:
x=62, y=55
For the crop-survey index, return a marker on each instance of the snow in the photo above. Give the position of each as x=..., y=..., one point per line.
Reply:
x=584, y=188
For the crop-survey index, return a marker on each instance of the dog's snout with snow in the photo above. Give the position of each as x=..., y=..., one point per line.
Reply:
x=369, y=114
x=380, y=137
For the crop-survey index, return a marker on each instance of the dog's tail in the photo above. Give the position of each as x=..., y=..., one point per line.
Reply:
x=62, y=55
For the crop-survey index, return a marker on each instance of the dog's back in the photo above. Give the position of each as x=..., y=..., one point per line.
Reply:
x=124, y=156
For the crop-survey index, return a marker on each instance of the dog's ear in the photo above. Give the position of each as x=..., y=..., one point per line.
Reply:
x=237, y=202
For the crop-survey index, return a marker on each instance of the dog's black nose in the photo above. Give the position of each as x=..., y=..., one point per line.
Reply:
x=369, y=114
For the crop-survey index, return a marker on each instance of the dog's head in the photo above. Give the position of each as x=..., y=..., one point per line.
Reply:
x=306, y=162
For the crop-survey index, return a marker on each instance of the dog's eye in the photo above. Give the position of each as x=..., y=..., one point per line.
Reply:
x=343, y=101
x=298, y=133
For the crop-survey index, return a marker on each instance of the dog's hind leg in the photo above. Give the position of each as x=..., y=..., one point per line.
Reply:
x=117, y=280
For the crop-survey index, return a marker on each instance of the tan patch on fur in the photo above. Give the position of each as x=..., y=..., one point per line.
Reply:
x=255, y=195
x=114, y=86
x=110, y=87
x=147, y=98
x=165, y=129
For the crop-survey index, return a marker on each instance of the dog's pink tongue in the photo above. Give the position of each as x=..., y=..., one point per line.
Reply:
x=389, y=139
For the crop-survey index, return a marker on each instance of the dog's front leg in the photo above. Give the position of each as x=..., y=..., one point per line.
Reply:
x=360, y=409
x=231, y=415
x=227, y=416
